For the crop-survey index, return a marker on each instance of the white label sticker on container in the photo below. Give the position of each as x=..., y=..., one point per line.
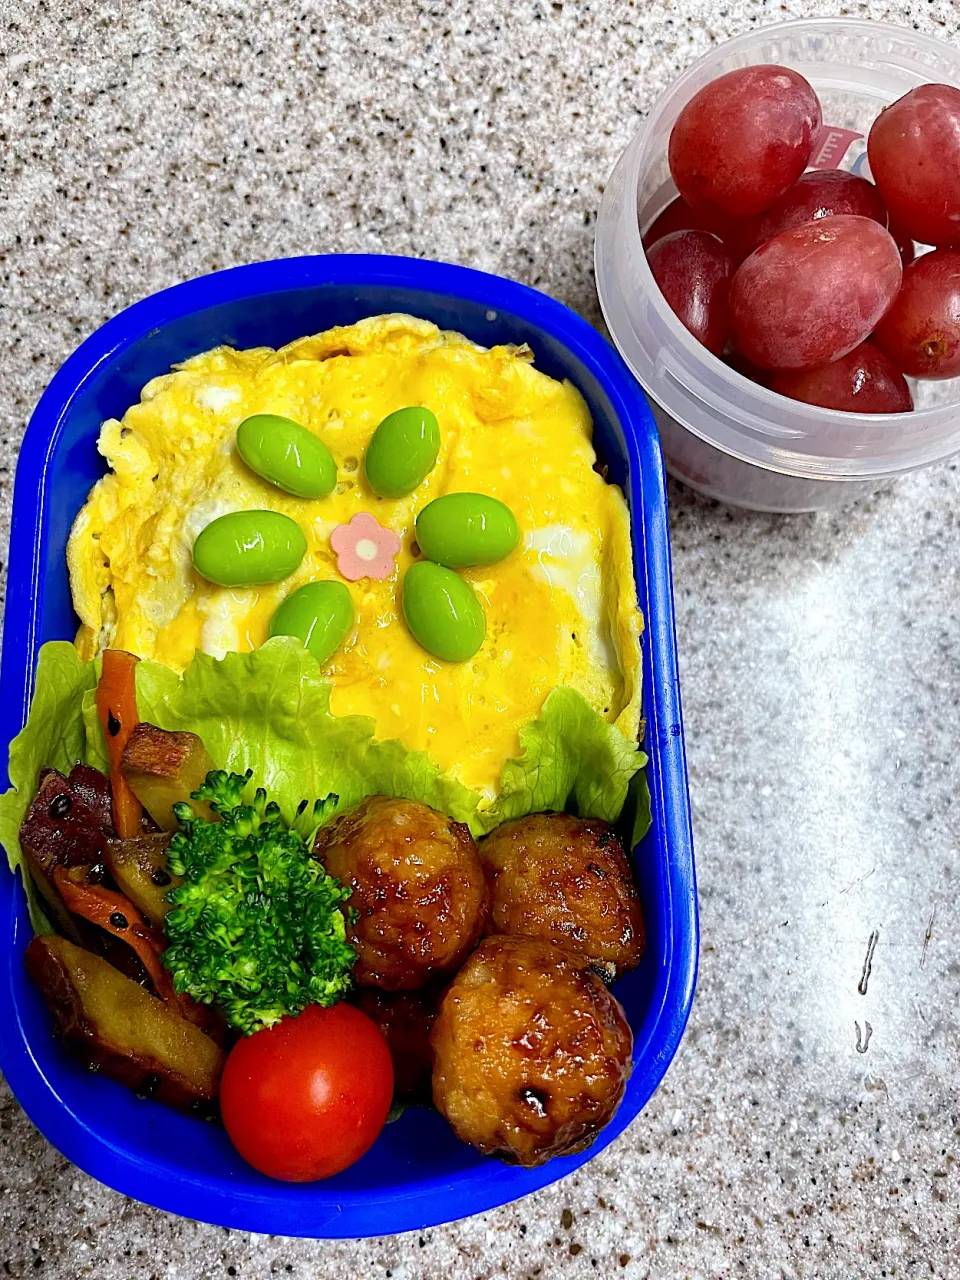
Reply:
x=831, y=145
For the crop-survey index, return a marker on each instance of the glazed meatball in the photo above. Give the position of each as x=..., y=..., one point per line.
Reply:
x=531, y=1051
x=405, y=1018
x=417, y=885
x=566, y=880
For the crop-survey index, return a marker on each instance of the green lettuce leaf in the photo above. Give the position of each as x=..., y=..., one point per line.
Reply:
x=571, y=759
x=269, y=711
x=96, y=750
x=55, y=737
x=638, y=814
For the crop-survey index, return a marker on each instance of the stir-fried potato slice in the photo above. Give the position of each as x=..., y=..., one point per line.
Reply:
x=140, y=870
x=110, y=1022
x=164, y=768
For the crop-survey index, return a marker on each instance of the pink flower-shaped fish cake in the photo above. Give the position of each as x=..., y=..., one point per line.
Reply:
x=364, y=548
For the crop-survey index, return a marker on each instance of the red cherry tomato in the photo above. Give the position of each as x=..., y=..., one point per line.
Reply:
x=306, y=1098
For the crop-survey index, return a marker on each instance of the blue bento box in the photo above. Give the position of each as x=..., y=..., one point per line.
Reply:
x=418, y=1174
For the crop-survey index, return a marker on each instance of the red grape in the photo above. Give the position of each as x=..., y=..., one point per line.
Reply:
x=908, y=250
x=813, y=293
x=914, y=152
x=863, y=381
x=816, y=195
x=678, y=216
x=693, y=270
x=744, y=139
x=921, y=331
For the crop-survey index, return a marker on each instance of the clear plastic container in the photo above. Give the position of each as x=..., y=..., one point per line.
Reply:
x=721, y=433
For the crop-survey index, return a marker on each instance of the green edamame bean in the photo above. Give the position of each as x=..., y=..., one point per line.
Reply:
x=319, y=615
x=402, y=452
x=286, y=454
x=249, y=548
x=443, y=612
x=463, y=529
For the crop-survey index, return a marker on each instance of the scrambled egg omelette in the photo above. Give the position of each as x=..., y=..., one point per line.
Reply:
x=561, y=609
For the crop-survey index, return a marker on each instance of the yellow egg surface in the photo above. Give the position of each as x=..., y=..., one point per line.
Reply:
x=561, y=609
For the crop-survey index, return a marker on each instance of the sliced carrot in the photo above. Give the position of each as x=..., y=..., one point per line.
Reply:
x=117, y=712
x=116, y=914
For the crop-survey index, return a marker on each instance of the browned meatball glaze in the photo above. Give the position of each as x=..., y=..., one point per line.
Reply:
x=531, y=1051
x=417, y=884
x=567, y=880
x=405, y=1018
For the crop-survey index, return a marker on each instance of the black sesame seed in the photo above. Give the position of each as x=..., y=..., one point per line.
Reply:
x=113, y=724
x=119, y=920
x=60, y=806
x=160, y=877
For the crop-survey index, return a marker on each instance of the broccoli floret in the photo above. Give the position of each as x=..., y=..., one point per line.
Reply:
x=257, y=926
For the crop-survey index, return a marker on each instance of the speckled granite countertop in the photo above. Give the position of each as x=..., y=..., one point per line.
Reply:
x=805, y=1129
